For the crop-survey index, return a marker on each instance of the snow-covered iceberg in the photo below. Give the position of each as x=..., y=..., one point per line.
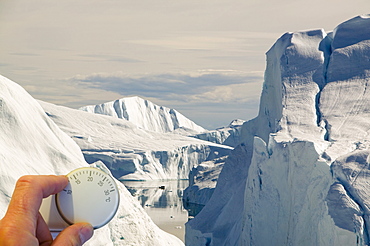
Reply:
x=31, y=143
x=146, y=115
x=300, y=177
x=130, y=152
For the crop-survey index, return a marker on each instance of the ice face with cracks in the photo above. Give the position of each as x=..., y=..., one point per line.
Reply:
x=301, y=176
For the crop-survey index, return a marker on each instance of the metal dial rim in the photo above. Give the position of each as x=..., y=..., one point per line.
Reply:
x=108, y=219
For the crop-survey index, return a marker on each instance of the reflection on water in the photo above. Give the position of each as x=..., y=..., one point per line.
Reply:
x=162, y=200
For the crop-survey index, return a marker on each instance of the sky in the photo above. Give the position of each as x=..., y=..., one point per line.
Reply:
x=205, y=58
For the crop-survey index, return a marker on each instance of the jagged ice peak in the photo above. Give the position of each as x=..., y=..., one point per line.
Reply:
x=145, y=114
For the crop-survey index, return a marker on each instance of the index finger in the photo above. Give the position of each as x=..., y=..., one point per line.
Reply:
x=27, y=197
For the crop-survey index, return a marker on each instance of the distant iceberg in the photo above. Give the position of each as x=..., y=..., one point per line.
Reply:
x=145, y=115
x=129, y=151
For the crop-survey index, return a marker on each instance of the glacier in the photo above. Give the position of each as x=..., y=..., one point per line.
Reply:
x=300, y=174
x=31, y=143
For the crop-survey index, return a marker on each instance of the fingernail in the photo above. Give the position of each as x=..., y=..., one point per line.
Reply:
x=86, y=232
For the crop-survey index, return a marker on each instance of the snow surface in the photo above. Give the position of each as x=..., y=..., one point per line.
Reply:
x=300, y=176
x=145, y=114
x=130, y=152
x=31, y=143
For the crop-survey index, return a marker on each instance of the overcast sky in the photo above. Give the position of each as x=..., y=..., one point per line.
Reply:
x=205, y=58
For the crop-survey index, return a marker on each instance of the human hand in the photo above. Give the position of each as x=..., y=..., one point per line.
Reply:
x=23, y=225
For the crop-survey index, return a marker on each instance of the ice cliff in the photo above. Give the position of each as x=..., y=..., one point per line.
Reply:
x=202, y=182
x=229, y=135
x=130, y=152
x=145, y=114
x=31, y=143
x=203, y=177
x=301, y=174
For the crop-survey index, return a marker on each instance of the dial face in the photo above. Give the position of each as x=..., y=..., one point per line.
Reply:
x=91, y=196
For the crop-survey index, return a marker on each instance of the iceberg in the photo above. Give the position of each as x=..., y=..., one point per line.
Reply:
x=299, y=176
x=31, y=143
x=145, y=114
x=202, y=182
x=131, y=152
x=229, y=135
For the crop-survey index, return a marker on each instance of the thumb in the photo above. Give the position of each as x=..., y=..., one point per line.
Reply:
x=74, y=235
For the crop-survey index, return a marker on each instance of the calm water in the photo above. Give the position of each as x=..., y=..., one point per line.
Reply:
x=162, y=200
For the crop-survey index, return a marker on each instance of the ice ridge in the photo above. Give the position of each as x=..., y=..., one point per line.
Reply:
x=145, y=114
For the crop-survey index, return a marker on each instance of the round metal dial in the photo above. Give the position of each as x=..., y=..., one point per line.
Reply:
x=91, y=196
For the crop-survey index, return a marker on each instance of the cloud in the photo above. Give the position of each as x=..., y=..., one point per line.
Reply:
x=202, y=86
x=212, y=98
x=110, y=58
x=24, y=54
x=234, y=93
x=189, y=42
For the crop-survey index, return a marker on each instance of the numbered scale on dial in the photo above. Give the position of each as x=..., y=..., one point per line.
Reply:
x=90, y=196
